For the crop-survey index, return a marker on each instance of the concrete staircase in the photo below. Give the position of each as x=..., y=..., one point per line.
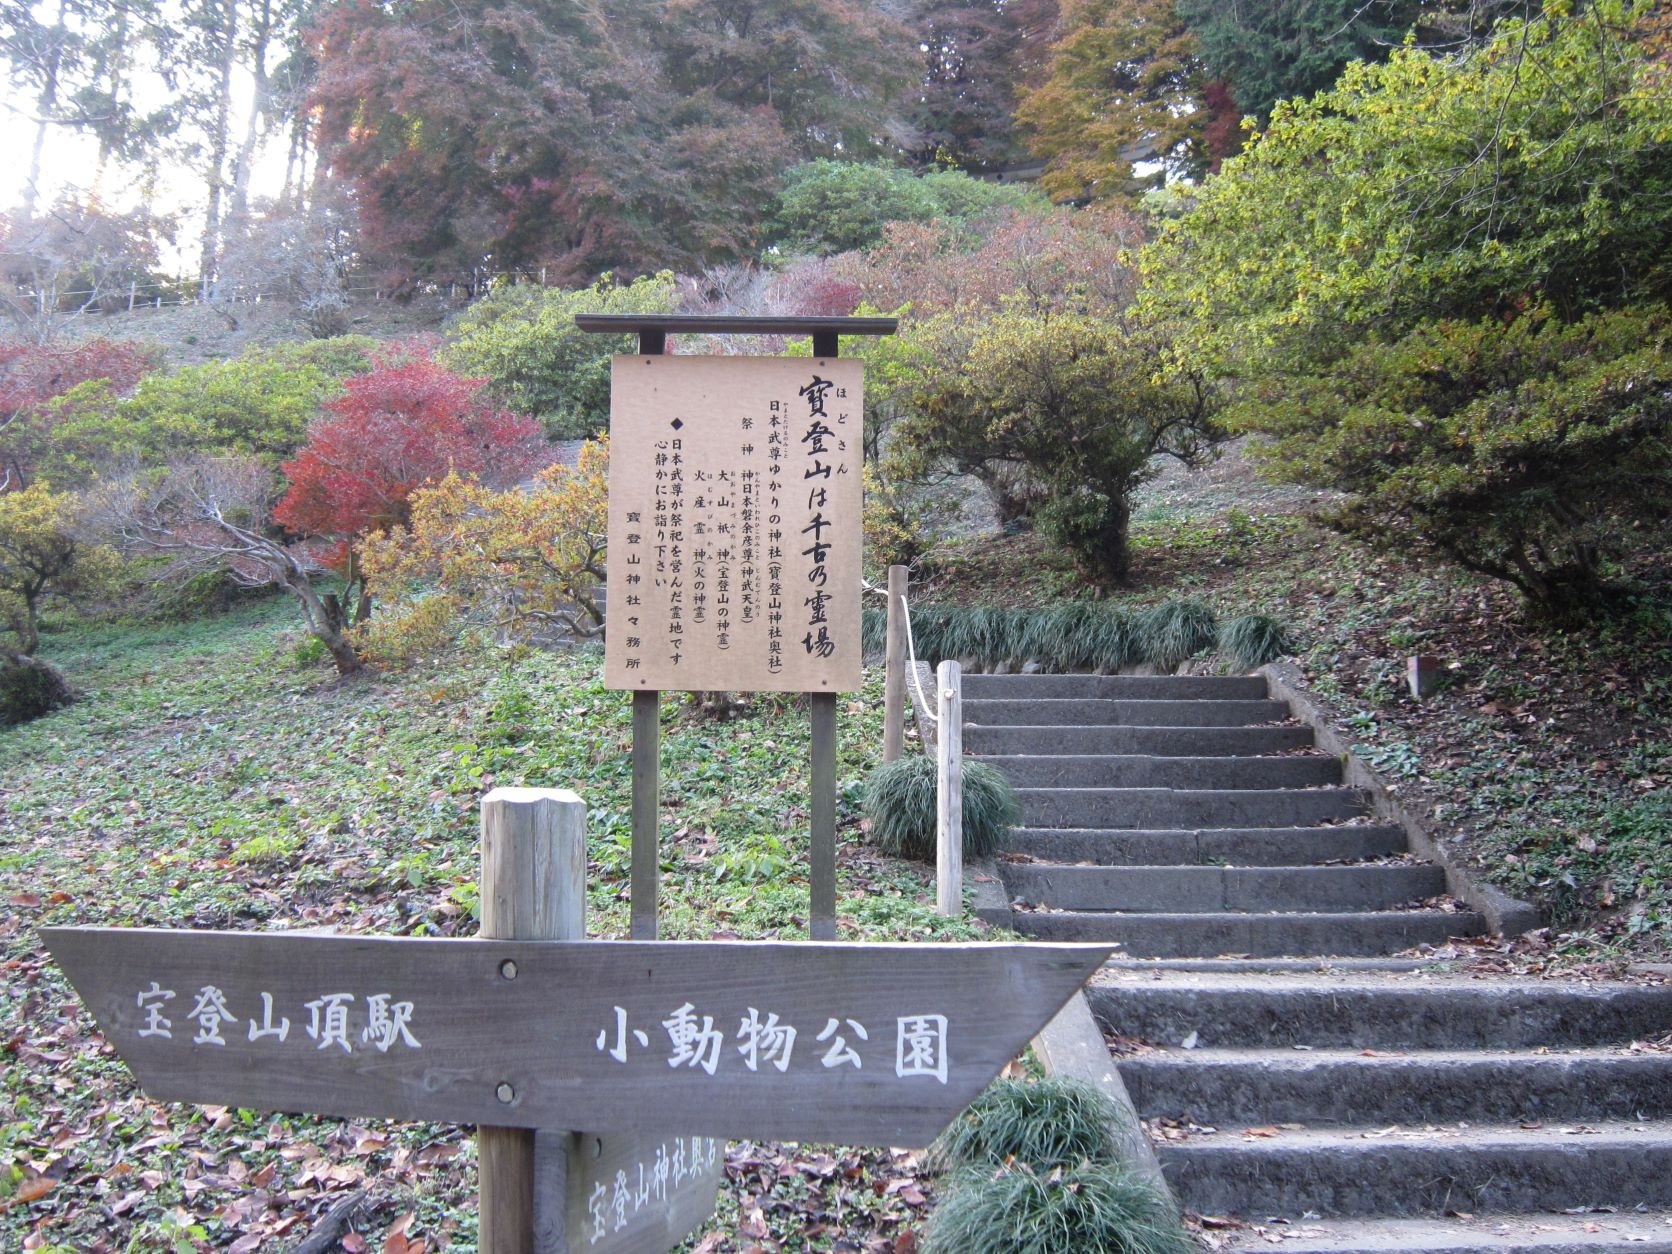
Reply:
x=1296, y=1079
x=1186, y=816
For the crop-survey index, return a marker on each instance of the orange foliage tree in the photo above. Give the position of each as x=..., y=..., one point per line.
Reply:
x=518, y=559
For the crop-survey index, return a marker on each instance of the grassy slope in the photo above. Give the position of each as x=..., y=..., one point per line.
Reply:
x=208, y=780
x=1547, y=753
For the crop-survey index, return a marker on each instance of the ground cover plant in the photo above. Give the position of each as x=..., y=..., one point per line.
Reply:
x=219, y=776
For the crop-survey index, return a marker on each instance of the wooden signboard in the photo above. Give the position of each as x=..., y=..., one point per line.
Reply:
x=734, y=524
x=859, y=1044
x=627, y=1194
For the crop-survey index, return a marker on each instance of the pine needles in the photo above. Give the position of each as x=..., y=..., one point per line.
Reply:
x=1083, y=636
x=900, y=802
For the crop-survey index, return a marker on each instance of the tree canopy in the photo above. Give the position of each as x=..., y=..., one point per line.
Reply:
x=586, y=138
x=1413, y=276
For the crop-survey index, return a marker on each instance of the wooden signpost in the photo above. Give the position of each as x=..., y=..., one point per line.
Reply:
x=734, y=553
x=658, y=1050
x=861, y=1044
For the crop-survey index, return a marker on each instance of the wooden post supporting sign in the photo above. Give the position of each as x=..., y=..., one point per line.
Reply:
x=734, y=547
x=533, y=888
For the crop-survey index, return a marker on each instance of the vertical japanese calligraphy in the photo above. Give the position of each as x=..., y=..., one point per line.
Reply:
x=734, y=548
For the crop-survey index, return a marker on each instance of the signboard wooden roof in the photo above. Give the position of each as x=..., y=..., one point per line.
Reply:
x=734, y=528
x=856, y=1044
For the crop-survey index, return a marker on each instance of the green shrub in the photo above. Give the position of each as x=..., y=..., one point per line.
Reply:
x=1023, y=1210
x=1047, y=1123
x=1253, y=640
x=900, y=802
x=258, y=405
x=29, y=689
x=524, y=342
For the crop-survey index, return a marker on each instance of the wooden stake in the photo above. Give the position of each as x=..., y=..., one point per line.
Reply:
x=822, y=917
x=533, y=888
x=894, y=674
x=647, y=799
x=949, y=790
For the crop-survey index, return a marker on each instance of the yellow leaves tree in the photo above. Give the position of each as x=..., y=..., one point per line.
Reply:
x=1122, y=88
x=519, y=558
x=42, y=556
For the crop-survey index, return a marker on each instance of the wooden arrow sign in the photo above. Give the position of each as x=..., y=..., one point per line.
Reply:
x=858, y=1044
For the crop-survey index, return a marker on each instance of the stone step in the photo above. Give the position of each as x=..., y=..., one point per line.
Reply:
x=1242, y=1009
x=1207, y=889
x=1590, y=1232
x=1225, y=1087
x=1150, y=771
x=1231, y=846
x=1116, y=687
x=1256, y=935
x=1187, y=808
x=1176, y=741
x=1417, y=1172
x=1008, y=712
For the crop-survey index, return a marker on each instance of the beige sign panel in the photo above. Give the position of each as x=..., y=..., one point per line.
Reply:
x=734, y=547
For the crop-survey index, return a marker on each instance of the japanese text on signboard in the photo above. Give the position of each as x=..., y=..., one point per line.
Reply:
x=734, y=559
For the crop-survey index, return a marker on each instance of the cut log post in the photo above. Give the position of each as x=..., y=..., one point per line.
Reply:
x=949, y=790
x=533, y=888
x=894, y=674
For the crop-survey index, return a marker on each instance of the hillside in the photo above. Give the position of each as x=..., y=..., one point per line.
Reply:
x=1546, y=752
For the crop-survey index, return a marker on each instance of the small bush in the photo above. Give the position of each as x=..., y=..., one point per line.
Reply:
x=1253, y=640
x=1048, y=1123
x=900, y=802
x=29, y=689
x=1019, y=1209
x=308, y=653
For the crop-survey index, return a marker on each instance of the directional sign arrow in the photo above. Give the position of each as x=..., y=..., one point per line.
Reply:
x=857, y=1044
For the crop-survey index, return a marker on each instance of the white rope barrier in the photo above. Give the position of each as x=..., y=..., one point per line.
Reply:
x=916, y=679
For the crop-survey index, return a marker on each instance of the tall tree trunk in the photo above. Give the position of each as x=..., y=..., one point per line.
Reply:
x=261, y=34
x=219, y=139
x=113, y=69
x=44, y=106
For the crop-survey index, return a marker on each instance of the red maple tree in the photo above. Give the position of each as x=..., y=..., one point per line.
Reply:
x=394, y=430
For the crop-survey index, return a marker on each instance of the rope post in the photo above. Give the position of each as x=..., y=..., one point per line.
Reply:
x=894, y=675
x=949, y=790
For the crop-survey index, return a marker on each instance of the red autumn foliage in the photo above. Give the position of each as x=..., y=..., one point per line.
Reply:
x=392, y=431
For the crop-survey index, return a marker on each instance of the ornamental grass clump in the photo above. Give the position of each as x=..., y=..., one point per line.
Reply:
x=1019, y=1209
x=1033, y=1170
x=1253, y=640
x=1080, y=636
x=1048, y=1123
x=900, y=802
x=1175, y=632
